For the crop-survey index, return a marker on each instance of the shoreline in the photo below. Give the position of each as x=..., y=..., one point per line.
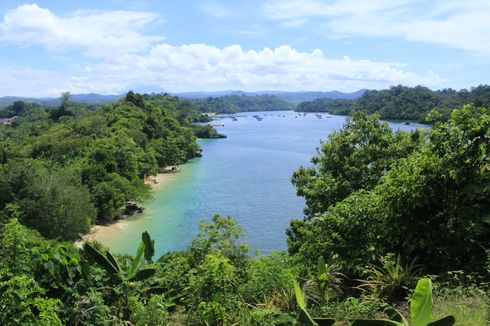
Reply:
x=155, y=182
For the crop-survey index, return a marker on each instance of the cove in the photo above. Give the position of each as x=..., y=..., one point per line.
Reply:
x=247, y=175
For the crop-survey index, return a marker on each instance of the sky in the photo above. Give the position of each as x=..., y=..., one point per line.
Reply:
x=112, y=46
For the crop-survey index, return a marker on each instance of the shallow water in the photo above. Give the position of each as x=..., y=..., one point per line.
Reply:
x=246, y=175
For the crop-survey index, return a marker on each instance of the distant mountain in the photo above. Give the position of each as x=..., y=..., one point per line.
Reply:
x=47, y=101
x=293, y=97
x=91, y=98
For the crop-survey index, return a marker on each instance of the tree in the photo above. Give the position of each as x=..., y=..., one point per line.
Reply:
x=353, y=158
x=432, y=203
x=50, y=200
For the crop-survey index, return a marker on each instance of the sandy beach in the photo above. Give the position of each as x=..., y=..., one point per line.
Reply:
x=103, y=231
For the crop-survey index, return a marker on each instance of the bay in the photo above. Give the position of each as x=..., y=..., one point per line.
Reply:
x=247, y=175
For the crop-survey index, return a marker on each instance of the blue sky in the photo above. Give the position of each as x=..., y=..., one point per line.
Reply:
x=109, y=47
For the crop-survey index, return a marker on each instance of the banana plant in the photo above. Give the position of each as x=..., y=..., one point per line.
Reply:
x=126, y=271
x=420, y=311
x=304, y=318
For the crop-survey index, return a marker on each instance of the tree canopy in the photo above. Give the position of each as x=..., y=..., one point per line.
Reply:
x=403, y=103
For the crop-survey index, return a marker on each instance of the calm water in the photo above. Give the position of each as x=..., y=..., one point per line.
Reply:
x=246, y=175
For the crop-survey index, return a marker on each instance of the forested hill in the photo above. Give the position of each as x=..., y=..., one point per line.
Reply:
x=292, y=97
x=242, y=103
x=404, y=103
x=63, y=168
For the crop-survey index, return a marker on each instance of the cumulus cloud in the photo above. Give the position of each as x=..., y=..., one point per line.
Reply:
x=458, y=24
x=97, y=33
x=121, y=58
x=207, y=68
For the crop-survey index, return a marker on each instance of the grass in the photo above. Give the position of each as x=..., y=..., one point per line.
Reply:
x=469, y=307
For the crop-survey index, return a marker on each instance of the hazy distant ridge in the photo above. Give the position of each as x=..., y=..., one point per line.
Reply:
x=91, y=98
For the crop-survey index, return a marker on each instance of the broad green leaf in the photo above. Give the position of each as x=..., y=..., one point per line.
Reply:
x=300, y=298
x=113, y=261
x=322, y=269
x=99, y=258
x=149, y=246
x=394, y=315
x=143, y=274
x=324, y=321
x=446, y=321
x=137, y=261
x=421, y=303
x=305, y=319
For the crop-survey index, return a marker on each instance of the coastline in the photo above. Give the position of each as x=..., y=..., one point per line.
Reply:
x=105, y=230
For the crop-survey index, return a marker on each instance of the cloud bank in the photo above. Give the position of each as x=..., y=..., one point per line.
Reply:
x=457, y=24
x=119, y=56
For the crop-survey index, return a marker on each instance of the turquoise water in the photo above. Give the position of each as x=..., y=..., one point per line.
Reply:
x=246, y=175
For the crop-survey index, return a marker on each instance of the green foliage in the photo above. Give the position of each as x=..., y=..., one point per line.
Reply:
x=391, y=280
x=353, y=158
x=430, y=202
x=213, y=295
x=270, y=316
x=304, y=317
x=55, y=285
x=370, y=192
x=51, y=200
x=15, y=247
x=326, y=283
x=172, y=273
x=69, y=166
x=206, y=131
x=420, y=310
x=221, y=236
x=404, y=103
x=153, y=313
x=22, y=302
x=421, y=303
x=90, y=309
x=242, y=103
x=125, y=270
x=267, y=278
x=353, y=308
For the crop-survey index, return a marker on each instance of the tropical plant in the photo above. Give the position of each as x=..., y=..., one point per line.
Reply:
x=304, y=318
x=326, y=283
x=125, y=270
x=391, y=280
x=420, y=311
x=133, y=269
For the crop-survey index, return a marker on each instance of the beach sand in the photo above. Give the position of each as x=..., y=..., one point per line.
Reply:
x=98, y=232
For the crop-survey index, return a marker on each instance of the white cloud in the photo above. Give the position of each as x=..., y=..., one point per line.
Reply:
x=18, y=81
x=215, y=9
x=97, y=33
x=458, y=24
x=123, y=58
x=207, y=68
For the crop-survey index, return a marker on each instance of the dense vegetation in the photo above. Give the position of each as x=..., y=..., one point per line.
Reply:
x=385, y=212
x=404, y=103
x=66, y=167
x=242, y=103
